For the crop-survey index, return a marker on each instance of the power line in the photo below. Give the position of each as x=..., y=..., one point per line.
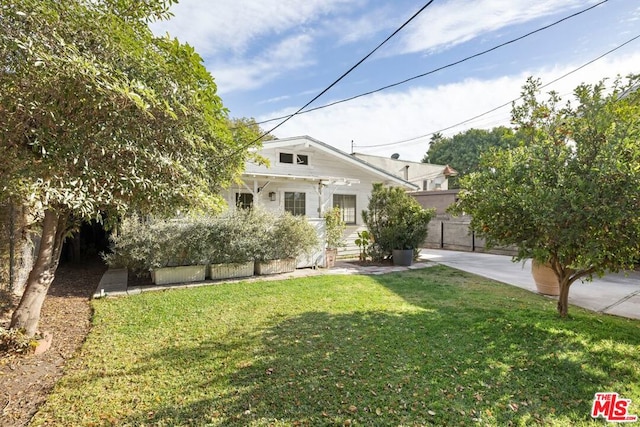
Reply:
x=435, y=70
x=506, y=103
x=337, y=80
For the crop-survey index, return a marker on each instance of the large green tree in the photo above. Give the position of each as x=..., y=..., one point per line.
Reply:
x=463, y=150
x=570, y=196
x=99, y=117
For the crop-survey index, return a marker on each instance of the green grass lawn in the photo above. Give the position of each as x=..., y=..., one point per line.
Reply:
x=426, y=347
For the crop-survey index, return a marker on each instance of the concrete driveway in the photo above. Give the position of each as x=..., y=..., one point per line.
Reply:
x=617, y=294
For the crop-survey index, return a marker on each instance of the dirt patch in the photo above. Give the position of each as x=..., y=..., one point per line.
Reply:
x=25, y=381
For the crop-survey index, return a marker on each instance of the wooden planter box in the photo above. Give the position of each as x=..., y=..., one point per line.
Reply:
x=275, y=266
x=183, y=274
x=545, y=279
x=231, y=271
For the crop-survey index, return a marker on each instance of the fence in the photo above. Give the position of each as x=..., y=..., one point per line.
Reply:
x=446, y=232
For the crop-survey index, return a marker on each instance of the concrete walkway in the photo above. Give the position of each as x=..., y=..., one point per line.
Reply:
x=617, y=294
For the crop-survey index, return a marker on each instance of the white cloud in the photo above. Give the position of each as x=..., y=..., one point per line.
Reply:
x=230, y=25
x=350, y=30
x=289, y=54
x=393, y=116
x=442, y=25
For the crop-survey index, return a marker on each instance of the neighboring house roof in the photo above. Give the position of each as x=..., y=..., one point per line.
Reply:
x=449, y=171
x=411, y=170
x=308, y=141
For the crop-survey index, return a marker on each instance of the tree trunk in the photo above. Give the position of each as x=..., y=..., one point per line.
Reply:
x=27, y=314
x=563, y=298
x=26, y=246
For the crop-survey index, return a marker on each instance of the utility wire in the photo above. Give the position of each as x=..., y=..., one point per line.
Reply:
x=484, y=52
x=287, y=118
x=506, y=103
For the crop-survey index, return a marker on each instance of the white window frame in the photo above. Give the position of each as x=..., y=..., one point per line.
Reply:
x=294, y=211
x=355, y=206
x=295, y=160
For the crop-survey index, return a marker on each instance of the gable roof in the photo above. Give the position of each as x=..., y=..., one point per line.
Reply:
x=308, y=141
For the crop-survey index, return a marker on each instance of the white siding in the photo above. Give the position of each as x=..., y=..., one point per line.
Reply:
x=321, y=165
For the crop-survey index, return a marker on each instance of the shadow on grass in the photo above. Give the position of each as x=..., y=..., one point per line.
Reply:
x=441, y=363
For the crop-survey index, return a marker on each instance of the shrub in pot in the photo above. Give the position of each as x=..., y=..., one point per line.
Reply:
x=285, y=237
x=232, y=241
x=397, y=223
x=173, y=250
x=334, y=231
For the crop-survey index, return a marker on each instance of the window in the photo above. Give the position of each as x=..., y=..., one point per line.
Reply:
x=286, y=158
x=300, y=159
x=347, y=205
x=295, y=203
x=244, y=200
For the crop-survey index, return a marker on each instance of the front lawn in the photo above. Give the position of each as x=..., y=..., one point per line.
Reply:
x=433, y=346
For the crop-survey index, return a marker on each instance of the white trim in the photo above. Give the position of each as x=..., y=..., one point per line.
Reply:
x=326, y=180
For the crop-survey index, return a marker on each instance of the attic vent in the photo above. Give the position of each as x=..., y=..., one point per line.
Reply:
x=395, y=156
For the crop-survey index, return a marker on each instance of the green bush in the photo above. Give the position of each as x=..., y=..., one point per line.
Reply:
x=335, y=227
x=235, y=237
x=395, y=220
x=285, y=236
x=142, y=245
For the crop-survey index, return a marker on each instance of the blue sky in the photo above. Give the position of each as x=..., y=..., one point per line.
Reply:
x=270, y=57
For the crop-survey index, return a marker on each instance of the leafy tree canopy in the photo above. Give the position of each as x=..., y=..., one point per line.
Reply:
x=462, y=151
x=570, y=196
x=99, y=115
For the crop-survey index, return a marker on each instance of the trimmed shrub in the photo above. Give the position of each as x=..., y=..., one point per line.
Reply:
x=396, y=221
x=285, y=236
x=235, y=237
x=335, y=227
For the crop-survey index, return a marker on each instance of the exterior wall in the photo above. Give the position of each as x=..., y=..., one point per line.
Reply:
x=313, y=199
x=440, y=200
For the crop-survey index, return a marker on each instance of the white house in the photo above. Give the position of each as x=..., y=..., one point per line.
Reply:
x=308, y=177
x=426, y=176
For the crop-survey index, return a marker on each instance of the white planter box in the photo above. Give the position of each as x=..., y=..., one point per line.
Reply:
x=230, y=271
x=275, y=266
x=183, y=274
